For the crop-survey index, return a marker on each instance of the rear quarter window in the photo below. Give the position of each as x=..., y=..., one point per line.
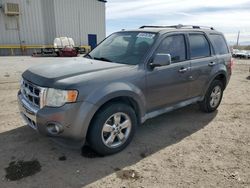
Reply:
x=219, y=44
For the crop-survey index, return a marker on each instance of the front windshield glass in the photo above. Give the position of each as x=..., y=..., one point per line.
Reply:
x=124, y=47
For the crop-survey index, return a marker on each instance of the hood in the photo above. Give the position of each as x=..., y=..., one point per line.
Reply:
x=47, y=74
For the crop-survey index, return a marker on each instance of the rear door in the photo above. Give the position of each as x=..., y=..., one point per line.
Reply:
x=202, y=62
x=168, y=85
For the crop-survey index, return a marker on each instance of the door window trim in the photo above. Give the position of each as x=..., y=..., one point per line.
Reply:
x=208, y=41
x=169, y=35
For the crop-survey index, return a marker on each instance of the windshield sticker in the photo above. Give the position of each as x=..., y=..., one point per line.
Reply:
x=146, y=35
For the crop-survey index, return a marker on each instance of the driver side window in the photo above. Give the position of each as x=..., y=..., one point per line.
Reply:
x=174, y=45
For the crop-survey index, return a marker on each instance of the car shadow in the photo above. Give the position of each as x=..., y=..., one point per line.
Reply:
x=75, y=170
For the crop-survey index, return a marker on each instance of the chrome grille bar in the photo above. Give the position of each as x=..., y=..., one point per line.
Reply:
x=31, y=92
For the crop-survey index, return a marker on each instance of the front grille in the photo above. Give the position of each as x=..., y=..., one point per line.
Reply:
x=31, y=92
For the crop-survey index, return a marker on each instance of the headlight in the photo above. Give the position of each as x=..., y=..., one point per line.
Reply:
x=57, y=97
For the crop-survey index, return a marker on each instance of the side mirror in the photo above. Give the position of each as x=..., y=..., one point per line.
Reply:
x=161, y=60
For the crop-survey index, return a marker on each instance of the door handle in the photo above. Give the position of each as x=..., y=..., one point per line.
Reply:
x=182, y=70
x=211, y=64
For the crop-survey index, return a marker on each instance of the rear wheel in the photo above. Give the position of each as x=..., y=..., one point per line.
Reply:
x=213, y=97
x=112, y=129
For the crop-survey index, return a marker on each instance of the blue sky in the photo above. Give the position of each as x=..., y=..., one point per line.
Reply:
x=228, y=16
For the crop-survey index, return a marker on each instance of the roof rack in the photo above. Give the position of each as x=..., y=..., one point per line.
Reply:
x=180, y=26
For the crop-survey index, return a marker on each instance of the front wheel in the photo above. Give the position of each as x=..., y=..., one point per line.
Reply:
x=112, y=128
x=213, y=97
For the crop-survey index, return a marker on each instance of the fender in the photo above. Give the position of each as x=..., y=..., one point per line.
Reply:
x=106, y=93
x=220, y=69
x=118, y=89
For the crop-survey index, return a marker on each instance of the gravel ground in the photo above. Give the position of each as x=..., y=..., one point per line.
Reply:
x=184, y=148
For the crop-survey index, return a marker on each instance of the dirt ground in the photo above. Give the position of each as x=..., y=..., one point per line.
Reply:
x=184, y=148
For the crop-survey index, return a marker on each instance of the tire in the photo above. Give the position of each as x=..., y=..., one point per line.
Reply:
x=117, y=122
x=207, y=105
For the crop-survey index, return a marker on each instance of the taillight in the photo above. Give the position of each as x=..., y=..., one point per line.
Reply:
x=230, y=65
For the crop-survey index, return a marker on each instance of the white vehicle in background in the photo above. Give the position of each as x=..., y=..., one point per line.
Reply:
x=241, y=53
x=248, y=54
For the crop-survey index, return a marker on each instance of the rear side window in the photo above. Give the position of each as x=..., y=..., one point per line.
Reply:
x=199, y=46
x=175, y=46
x=219, y=44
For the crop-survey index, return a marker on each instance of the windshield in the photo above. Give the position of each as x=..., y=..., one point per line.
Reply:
x=124, y=47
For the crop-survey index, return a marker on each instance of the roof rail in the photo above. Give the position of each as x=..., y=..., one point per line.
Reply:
x=153, y=26
x=180, y=26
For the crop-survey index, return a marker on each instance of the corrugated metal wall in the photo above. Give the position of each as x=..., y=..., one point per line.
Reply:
x=41, y=21
x=48, y=21
x=30, y=23
x=79, y=19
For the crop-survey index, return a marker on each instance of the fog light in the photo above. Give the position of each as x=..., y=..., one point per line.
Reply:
x=54, y=128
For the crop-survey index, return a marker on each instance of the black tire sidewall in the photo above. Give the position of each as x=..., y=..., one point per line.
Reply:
x=208, y=94
x=94, y=136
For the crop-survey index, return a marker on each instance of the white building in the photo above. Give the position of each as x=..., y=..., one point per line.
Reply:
x=37, y=22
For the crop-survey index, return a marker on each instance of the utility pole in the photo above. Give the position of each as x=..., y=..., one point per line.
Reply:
x=238, y=38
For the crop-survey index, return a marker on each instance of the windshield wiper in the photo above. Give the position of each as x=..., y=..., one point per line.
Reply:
x=102, y=59
x=88, y=56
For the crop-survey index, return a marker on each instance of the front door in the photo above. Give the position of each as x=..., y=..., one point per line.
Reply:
x=168, y=85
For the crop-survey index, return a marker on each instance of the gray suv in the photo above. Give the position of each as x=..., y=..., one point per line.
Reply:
x=128, y=78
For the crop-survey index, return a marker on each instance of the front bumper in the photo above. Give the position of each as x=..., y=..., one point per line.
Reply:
x=73, y=118
x=27, y=111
